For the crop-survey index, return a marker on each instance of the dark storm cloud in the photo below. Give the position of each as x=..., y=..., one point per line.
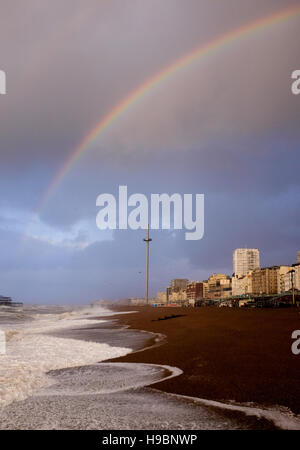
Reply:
x=226, y=126
x=70, y=62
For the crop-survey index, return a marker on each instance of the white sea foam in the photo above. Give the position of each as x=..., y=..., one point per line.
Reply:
x=107, y=378
x=281, y=417
x=31, y=352
x=112, y=396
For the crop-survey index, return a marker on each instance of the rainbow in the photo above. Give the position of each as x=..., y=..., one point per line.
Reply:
x=158, y=78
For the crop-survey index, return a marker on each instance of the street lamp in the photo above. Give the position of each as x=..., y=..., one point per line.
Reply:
x=292, y=272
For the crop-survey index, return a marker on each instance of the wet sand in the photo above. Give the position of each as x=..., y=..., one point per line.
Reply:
x=241, y=355
x=109, y=333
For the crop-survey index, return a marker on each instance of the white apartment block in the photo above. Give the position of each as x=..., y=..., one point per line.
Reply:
x=244, y=260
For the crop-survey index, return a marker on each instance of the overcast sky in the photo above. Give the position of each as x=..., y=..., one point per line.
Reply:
x=227, y=126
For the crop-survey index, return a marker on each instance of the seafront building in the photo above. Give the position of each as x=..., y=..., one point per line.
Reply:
x=205, y=288
x=296, y=267
x=219, y=286
x=177, y=296
x=270, y=280
x=248, y=282
x=161, y=297
x=242, y=284
x=176, y=292
x=179, y=284
x=195, y=292
x=292, y=278
x=282, y=272
x=265, y=280
x=244, y=260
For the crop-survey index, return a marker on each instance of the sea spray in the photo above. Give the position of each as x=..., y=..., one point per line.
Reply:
x=31, y=353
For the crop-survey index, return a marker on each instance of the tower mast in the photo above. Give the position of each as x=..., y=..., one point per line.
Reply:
x=147, y=240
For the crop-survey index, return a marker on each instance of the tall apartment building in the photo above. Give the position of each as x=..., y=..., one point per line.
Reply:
x=244, y=260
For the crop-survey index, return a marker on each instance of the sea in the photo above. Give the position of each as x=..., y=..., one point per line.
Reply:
x=56, y=373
